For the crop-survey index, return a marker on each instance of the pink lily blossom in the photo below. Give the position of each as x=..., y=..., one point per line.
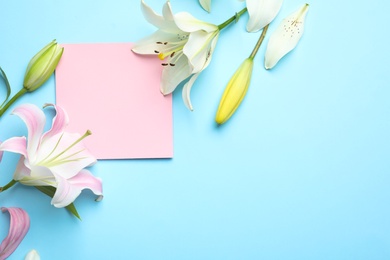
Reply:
x=55, y=158
x=19, y=225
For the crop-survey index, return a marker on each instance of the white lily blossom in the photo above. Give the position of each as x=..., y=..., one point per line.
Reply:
x=206, y=4
x=261, y=13
x=184, y=43
x=199, y=49
x=167, y=41
x=285, y=37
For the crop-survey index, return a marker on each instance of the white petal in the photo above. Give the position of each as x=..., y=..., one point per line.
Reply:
x=150, y=15
x=188, y=23
x=165, y=22
x=199, y=49
x=21, y=171
x=167, y=12
x=32, y=255
x=211, y=51
x=206, y=4
x=173, y=76
x=37, y=176
x=148, y=45
x=187, y=90
x=285, y=37
x=64, y=159
x=261, y=13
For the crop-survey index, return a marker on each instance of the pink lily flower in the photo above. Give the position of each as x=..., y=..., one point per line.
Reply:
x=19, y=225
x=54, y=158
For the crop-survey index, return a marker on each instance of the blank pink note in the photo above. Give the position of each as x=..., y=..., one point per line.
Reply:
x=115, y=93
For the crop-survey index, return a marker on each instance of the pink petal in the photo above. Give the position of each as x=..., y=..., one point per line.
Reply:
x=68, y=190
x=19, y=225
x=14, y=145
x=35, y=121
x=60, y=121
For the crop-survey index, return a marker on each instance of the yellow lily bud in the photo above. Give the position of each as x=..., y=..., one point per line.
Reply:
x=235, y=91
x=41, y=66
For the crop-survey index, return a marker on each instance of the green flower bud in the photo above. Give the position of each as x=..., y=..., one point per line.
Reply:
x=42, y=65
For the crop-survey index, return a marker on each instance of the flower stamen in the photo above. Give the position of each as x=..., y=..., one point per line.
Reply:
x=54, y=159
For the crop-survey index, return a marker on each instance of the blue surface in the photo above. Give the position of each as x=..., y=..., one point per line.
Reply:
x=301, y=171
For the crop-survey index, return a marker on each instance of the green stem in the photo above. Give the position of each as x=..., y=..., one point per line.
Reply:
x=232, y=19
x=259, y=42
x=12, y=100
x=9, y=185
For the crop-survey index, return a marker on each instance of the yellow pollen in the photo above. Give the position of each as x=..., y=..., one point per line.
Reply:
x=161, y=56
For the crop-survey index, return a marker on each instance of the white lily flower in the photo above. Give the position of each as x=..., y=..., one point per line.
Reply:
x=285, y=37
x=167, y=41
x=185, y=45
x=261, y=13
x=206, y=4
x=199, y=49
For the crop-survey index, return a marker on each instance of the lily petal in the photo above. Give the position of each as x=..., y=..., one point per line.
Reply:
x=206, y=4
x=186, y=22
x=285, y=37
x=68, y=190
x=66, y=154
x=261, y=13
x=35, y=121
x=15, y=145
x=60, y=121
x=21, y=171
x=36, y=176
x=32, y=255
x=199, y=49
x=173, y=76
x=148, y=44
x=19, y=225
x=187, y=89
x=167, y=12
x=165, y=22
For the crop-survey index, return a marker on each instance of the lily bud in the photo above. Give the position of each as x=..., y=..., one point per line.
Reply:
x=42, y=65
x=235, y=91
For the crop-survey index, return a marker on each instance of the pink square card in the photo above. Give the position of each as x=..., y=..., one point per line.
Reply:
x=115, y=93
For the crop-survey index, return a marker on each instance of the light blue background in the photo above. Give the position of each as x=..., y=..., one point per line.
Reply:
x=301, y=171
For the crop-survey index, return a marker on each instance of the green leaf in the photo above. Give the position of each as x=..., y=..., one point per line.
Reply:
x=72, y=209
x=6, y=85
x=49, y=191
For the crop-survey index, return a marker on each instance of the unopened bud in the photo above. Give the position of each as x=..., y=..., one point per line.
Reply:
x=42, y=66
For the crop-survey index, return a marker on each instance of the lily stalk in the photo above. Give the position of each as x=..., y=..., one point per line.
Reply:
x=238, y=85
x=38, y=71
x=234, y=18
